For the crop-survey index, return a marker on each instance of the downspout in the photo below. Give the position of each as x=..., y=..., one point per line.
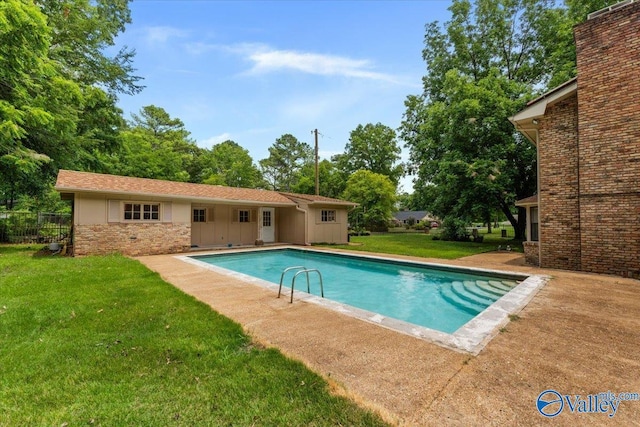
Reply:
x=306, y=224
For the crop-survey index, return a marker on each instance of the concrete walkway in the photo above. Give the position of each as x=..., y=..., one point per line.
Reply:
x=579, y=335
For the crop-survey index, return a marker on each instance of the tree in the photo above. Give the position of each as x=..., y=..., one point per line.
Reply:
x=331, y=180
x=373, y=148
x=375, y=194
x=53, y=110
x=82, y=32
x=480, y=71
x=38, y=107
x=229, y=164
x=155, y=146
x=281, y=170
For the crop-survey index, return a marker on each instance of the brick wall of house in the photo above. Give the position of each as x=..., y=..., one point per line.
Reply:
x=531, y=253
x=608, y=59
x=131, y=239
x=559, y=214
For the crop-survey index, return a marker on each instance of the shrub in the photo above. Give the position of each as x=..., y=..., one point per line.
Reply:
x=454, y=229
x=359, y=232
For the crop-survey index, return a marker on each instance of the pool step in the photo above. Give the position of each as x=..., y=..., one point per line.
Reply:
x=474, y=288
x=491, y=290
x=463, y=292
x=465, y=305
x=504, y=285
x=497, y=292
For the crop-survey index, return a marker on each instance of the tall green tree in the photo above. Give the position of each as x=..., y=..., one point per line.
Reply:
x=83, y=30
x=287, y=156
x=376, y=195
x=229, y=164
x=373, y=148
x=331, y=181
x=481, y=69
x=53, y=110
x=155, y=145
x=38, y=107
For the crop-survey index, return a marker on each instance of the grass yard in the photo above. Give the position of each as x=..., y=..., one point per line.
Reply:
x=423, y=245
x=105, y=341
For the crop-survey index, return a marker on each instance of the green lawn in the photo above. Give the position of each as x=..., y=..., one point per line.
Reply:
x=105, y=341
x=423, y=245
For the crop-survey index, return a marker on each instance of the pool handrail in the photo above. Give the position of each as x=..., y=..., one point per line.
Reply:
x=297, y=267
x=306, y=271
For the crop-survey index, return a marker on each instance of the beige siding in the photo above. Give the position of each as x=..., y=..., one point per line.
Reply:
x=290, y=226
x=327, y=232
x=90, y=210
x=203, y=233
x=181, y=212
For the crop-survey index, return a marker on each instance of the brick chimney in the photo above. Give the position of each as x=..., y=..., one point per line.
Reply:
x=608, y=64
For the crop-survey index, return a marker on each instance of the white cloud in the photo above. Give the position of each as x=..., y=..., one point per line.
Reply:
x=161, y=34
x=266, y=60
x=210, y=142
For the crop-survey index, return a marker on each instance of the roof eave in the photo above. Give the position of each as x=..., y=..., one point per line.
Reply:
x=526, y=121
x=63, y=189
x=319, y=202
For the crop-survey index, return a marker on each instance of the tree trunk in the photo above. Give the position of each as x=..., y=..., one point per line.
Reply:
x=488, y=223
x=518, y=224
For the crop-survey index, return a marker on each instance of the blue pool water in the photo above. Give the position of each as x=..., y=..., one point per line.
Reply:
x=440, y=299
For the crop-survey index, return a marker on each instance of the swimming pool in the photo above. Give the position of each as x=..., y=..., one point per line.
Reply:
x=417, y=298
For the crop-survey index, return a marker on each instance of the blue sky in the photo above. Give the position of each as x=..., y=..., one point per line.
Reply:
x=251, y=71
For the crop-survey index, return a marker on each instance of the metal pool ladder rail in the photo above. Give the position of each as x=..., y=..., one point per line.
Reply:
x=301, y=269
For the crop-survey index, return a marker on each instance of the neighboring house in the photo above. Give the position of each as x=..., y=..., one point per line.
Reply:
x=138, y=216
x=587, y=133
x=418, y=216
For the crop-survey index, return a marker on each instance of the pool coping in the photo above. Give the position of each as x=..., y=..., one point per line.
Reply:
x=472, y=337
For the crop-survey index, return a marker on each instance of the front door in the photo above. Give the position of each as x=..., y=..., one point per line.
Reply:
x=268, y=225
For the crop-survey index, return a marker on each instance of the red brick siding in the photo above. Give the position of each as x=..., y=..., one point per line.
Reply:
x=131, y=239
x=531, y=253
x=608, y=59
x=559, y=219
x=611, y=234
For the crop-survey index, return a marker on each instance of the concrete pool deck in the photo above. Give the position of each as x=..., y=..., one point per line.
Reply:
x=579, y=335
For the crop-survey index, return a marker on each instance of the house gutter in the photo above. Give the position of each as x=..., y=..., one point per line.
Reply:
x=306, y=224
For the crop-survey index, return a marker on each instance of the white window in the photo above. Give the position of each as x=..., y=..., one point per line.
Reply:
x=328, y=215
x=142, y=211
x=266, y=218
x=534, y=225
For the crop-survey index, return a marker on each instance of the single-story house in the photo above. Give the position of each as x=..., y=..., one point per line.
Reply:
x=419, y=217
x=586, y=214
x=139, y=216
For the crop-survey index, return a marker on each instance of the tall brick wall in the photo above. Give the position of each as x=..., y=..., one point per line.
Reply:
x=559, y=214
x=131, y=239
x=608, y=59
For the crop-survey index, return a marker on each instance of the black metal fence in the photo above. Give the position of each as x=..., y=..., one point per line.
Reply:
x=29, y=227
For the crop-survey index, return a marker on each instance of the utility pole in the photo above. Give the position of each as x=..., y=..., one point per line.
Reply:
x=315, y=133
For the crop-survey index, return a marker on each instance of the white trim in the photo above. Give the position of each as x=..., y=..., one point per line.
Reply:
x=525, y=121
